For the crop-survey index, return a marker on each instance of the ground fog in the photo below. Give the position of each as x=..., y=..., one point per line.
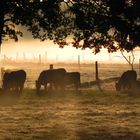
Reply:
x=67, y=115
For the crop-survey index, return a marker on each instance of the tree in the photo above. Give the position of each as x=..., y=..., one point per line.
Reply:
x=113, y=24
x=42, y=18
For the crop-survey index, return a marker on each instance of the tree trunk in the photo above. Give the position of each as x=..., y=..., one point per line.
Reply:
x=1, y=20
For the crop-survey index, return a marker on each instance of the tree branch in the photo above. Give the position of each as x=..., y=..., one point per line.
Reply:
x=125, y=57
x=133, y=56
x=129, y=61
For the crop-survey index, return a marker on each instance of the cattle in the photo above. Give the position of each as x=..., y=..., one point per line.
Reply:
x=54, y=77
x=14, y=81
x=127, y=80
x=72, y=78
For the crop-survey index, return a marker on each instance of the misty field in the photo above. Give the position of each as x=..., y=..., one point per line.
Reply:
x=87, y=71
x=67, y=115
x=90, y=114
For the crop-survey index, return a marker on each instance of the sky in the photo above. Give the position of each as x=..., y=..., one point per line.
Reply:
x=30, y=48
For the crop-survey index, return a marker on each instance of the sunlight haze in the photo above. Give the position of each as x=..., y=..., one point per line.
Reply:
x=48, y=50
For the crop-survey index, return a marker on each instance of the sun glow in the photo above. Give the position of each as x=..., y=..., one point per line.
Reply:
x=47, y=51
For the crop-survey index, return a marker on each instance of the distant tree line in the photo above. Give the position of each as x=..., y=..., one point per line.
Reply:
x=112, y=24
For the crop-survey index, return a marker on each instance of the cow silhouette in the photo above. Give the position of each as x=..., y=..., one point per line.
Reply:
x=72, y=78
x=14, y=81
x=127, y=80
x=53, y=77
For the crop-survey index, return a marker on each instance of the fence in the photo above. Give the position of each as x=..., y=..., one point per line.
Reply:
x=87, y=71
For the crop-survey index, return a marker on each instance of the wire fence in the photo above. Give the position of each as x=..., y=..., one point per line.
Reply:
x=87, y=71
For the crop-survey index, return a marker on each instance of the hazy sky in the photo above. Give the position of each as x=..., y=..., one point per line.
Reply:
x=33, y=47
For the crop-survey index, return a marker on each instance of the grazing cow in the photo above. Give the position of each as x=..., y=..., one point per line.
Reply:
x=72, y=78
x=54, y=77
x=14, y=80
x=127, y=80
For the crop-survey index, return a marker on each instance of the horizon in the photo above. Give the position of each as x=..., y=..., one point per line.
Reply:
x=32, y=49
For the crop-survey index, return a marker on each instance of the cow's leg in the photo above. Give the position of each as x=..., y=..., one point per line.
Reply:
x=121, y=85
x=16, y=88
x=21, y=88
x=76, y=86
x=129, y=86
x=51, y=85
x=56, y=86
x=45, y=87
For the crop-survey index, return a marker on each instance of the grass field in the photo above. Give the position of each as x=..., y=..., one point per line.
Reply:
x=90, y=114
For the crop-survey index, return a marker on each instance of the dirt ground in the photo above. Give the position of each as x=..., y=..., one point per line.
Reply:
x=90, y=114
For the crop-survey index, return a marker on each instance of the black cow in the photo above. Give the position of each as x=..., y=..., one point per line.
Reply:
x=54, y=77
x=14, y=80
x=72, y=78
x=127, y=80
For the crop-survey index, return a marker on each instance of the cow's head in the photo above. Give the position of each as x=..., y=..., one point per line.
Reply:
x=117, y=86
x=37, y=84
x=6, y=81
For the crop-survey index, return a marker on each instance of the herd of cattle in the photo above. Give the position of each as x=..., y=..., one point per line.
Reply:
x=60, y=78
x=54, y=78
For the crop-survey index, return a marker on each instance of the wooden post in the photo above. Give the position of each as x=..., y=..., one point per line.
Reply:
x=24, y=56
x=51, y=66
x=57, y=58
x=139, y=68
x=96, y=71
x=79, y=61
x=45, y=56
x=39, y=58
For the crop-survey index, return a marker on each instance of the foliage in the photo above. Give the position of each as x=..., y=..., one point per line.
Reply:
x=113, y=24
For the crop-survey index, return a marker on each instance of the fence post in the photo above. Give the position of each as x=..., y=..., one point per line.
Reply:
x=51, y=66
x=96, y=71
x=139, y=68
x=2, y=73
x=79, y=61
x=39, y=58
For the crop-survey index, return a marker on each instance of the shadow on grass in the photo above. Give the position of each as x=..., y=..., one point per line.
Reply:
x=57, y=92
x=103, y=134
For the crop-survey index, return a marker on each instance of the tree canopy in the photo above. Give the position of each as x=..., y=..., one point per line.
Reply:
x=112, y=24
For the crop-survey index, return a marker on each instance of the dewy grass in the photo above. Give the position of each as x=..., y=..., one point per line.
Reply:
x=90, y=114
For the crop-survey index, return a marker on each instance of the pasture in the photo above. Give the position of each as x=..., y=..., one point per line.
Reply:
x=90, y=114
x=87, y=71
